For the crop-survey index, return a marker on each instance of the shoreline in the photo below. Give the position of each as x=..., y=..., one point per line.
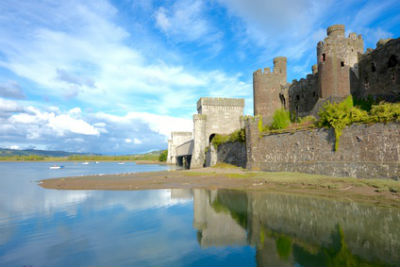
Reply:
x=374, y=191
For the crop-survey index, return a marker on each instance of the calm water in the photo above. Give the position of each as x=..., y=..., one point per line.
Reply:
x=41, y=227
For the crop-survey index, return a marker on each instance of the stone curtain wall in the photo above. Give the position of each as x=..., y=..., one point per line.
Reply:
x=366, y=151
x=232, y=153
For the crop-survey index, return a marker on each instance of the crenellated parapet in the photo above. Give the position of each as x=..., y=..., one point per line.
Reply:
x=208, y=105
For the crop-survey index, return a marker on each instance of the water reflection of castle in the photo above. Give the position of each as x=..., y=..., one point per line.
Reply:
x=287, y=229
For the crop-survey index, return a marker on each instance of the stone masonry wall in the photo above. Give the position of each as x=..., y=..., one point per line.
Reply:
x=380, y=72
x=232, y=153
x=367, y=151
x=303, y=95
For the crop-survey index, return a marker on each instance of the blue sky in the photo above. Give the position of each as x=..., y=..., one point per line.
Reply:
x=116, y=77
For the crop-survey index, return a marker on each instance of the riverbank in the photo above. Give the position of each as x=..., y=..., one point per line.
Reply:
x=376, y=191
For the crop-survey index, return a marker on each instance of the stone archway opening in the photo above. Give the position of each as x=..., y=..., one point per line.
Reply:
x=211, y=137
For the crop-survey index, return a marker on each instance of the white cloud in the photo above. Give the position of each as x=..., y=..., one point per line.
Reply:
x=9, y=106
x=75, y=111
x=160, y=124
x=62, y=123
x=186, y=21
x=137, y=141
x=36, y=123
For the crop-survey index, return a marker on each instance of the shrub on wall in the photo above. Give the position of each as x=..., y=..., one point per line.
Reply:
x=281, y=119
x=236, y=136
x=337, y=116
x=385, y=112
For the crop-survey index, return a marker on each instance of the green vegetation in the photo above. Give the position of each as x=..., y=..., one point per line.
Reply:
x=336, y=116
x=281, y=119
x=364, y=104
x=284, y=246
x=28, y=158
x=223, y=165
x=307, y=120
x=163, y=156
x=236, y=136
x=260, y=124
x=340, y=115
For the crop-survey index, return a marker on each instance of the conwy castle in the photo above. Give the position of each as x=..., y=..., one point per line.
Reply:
x=343, y=68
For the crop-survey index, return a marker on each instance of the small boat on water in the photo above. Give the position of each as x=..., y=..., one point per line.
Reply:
x=85, y=163
x=56, y=167
x=97, y=162
x=121, y=163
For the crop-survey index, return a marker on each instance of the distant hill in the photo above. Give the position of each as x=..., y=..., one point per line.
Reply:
x=154, y=153
x=6, y=152
x=28, y=152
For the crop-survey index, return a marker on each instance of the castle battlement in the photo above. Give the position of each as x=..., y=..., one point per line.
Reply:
x=336, y=30
x=181, y=134
x=226, y=102
x=264, y=72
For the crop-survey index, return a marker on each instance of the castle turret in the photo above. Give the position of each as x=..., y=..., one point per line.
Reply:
x=280, y=69
x=336, y=31
x=337, y=61
x=267, y=88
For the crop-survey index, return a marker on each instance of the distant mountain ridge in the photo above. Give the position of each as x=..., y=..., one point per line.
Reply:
x=50, y=153
x=28, y=152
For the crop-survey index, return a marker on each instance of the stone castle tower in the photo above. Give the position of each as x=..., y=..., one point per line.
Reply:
x=342, y=69
x=267, y=87
x=215, y=116
x=338, y=61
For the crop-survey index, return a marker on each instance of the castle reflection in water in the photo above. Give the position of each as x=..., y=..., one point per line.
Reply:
x=289, y=230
